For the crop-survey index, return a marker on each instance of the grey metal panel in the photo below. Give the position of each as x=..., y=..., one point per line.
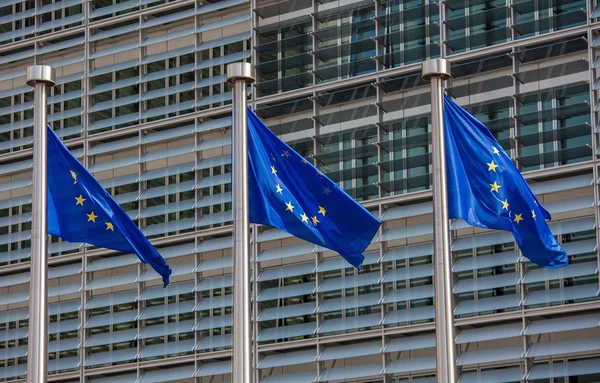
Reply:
x=166, y=190
x=285, y=271
x=563, y=324
x=167, y=91
x=408, y=232
x=111, y=299
x=337, y=262
x=60, y=22
x=211, y=369
x=410, y=315
x=167, y=349
x=178, y=269
x=215, y=124
x=114, y=50
x=112, y=318
x=290, y=311
x=167, y=134
x=215, y=302
x=503, y=375
x=569, y=271
x=567, y=346
x=115, y=280
x=215, y=244
x=167, y=55
x=113, y=85
x=223, y=23
x=167, y=153
x=210, y=81
x=409, y=273
x=131, y=378
x=562, y=294
x=483, y=261
x=170, y=17
x=113, y=67
x=340, y=324
x=407, y=211
x=182, y=224
x=162, y=292
x=223, y=41
x=350, y=372
x=167, y=310
x=345, y=303
x=350, y=351
x=487, y=304
x=214, y=264
x=286, y=252
x=113, y=121
x=167, y=329
x=112, y=262
x=406, y=252
x=410, y=343
x=286, y=291
x=114, y=8
x=490, y=355
x=217, y=321
x=560, y=369
x=411, y=364
x=287, y=332
x=123, y=30
x=173, y=108
x=163, y=74
x=349, y=282
x=484, y=283
x=489, y=333
x=161, y=38
x=287, y=359
x=111, y=337
x=215, y=341
x=167, y=375
x=63, y=44
x=214, y=283
x=400, y=295
x=211, y=7
x=110, y=357
x=298, y=377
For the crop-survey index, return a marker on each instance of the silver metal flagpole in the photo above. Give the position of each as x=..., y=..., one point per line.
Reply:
x=39, y=77
x=240, y=75
x=437, y=71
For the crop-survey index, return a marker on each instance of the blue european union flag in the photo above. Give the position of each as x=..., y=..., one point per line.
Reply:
x=288, y=193
x=80, y=210
x=487, y=190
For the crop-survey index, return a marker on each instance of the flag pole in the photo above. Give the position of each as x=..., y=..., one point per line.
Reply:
x=240, y=75
x=39, y=77
x=437, y=71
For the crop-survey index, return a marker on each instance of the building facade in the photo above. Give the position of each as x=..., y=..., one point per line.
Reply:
x=141, y=99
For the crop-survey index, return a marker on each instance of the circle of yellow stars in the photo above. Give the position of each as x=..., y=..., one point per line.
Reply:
x=289, y=206
x=91, y=217
x=495, y=187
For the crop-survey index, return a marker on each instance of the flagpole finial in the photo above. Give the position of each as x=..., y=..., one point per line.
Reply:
x=41, y=74
x=436, y=67
x=239, y=71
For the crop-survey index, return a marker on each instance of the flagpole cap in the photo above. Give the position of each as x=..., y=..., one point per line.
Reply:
x=41, y=73
x=437, y=68
x=239, y=71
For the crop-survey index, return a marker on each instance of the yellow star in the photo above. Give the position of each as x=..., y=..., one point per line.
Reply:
x=109, y=226
x=92, y=217
x=495, y=187
x=286, y=154
x=304, y=217
x=290, y=207
x=505, y=204
x=315, y=220
x=304, y=161
x=279, y=189
x=74, y=177
x=326, y=191
x=533, y=214
x=79, y=200
x=492, y=166
x=518, y=217
x=496, y=151
x=322, y=210
x=273, y=170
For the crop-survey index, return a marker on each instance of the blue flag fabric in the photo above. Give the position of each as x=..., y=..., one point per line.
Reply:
x=80, y=210
x=288, y=193
x=487, y=190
